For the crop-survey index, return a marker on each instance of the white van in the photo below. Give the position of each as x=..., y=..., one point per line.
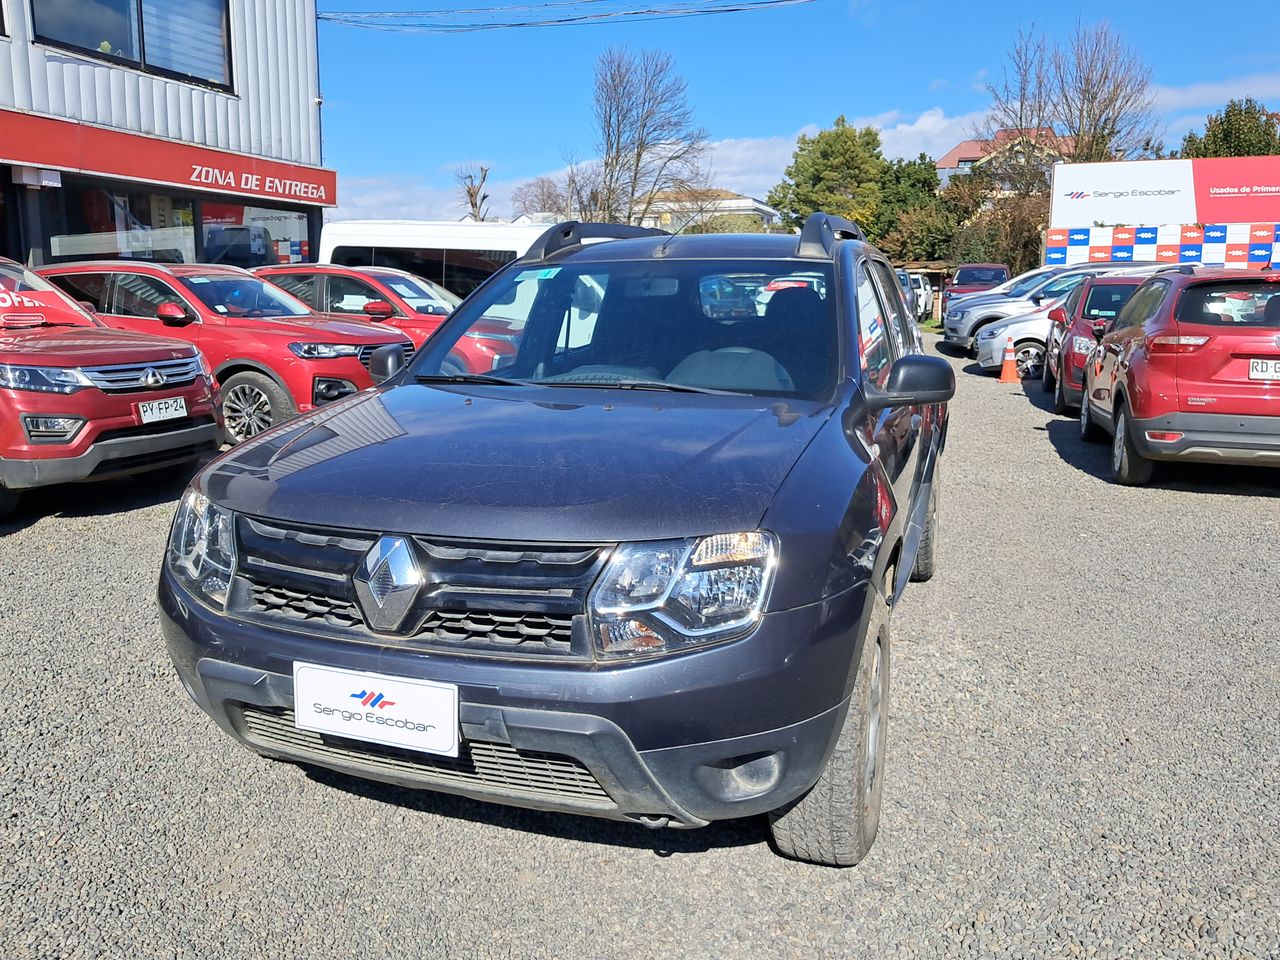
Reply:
x=458, y=255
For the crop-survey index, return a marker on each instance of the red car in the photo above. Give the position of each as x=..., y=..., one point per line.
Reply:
x=972, y=277
x=271, y=356
x=1076, y=327
x=1189, y=370
x=80, y=402
x=414, y=306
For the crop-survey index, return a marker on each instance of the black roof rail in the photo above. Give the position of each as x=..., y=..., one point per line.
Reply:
x=573, y=233
x=821, y=231
x=1188, y=268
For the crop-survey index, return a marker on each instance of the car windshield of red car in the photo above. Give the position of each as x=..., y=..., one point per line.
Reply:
x=1105, y=302
x=28, y=300
x=234, y=296
x=980, y=275
x=419, y=293
x=1244, y=303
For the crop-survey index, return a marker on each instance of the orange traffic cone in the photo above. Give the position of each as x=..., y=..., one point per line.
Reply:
x=1009, y=369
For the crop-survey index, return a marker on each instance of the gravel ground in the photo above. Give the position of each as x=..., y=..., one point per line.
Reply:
x=1098, y=777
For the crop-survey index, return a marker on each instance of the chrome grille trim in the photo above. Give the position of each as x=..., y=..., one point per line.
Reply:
x=133, y=376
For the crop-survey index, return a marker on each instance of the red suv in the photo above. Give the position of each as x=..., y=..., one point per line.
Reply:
x=1189, y=370
x=1077, y=324
x=270, y=354
x=79, y=402
x=414, y=306
x=971, y=278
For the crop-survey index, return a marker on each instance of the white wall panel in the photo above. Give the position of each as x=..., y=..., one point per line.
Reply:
x=272, y=111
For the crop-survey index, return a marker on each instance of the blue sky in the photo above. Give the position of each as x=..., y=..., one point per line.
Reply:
x=402, y=110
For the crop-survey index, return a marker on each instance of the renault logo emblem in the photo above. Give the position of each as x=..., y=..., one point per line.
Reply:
x=387, y=583
x=153, y=378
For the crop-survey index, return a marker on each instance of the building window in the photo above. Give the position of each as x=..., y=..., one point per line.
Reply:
x=246, y=237
x=187, y=40
x=86, y=221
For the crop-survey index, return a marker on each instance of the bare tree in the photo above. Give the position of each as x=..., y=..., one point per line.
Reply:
x=1020, y=135
x=646, y=137
x=1102, y=93
x=471, y=179
x=540, y=195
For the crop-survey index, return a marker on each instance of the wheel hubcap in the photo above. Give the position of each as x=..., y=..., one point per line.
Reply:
x=1030, y=362
x=247, y=411
x=876, y=718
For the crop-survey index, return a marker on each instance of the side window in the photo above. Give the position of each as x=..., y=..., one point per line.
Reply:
x=83, y=288
x=891, y=291
x=138, y=295
x=1159, y=291
x=301, y=285
x=579, y=324
x=1073, y=301
x=349, y=295
x=1142, y=306
x=873, y=336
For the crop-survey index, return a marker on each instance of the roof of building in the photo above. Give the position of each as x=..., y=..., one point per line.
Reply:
x=975, y=150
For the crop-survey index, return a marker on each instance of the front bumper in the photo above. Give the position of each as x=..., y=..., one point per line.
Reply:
x=114, y=458
x=955, y=332
x=730, y=731
x=991, y=353
x=1211, y=438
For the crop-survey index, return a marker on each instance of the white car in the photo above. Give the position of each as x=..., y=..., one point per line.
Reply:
x=1029, y=332
x=924, y=295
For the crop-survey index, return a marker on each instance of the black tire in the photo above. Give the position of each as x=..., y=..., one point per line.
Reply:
x=926, y=555
x=835, y=823
x=252, y=402
x=1047, y=378
x=1090, y=432
x=8, y=501
x=1060, y=405
x=1027, y=349
x=1128, y=466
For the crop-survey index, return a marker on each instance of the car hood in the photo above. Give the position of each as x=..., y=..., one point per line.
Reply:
x=85, y=346
x=512, y=463
x=320, y=329
x=1037, y=322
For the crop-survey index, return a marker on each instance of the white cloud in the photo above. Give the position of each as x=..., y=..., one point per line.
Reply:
x=1260, y=86
x=932, y=132
x=400, y=197
x=939, y=83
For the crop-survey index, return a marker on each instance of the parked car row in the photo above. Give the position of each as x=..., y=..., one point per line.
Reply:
x=109, y=368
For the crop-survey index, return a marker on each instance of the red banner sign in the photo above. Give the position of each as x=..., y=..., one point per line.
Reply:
x=37, y=141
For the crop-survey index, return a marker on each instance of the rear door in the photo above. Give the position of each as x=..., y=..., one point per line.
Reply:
x=1110, y=359
x=1228, y=349
x=304, y=286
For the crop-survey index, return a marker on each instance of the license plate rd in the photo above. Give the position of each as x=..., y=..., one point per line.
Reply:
x=413, y=714
x=1261, y=369
x=171, y=408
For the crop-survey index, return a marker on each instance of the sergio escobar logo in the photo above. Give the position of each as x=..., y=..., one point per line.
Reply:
x=369, y=699
x=1121, y=194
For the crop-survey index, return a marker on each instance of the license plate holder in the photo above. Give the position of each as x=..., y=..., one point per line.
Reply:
x=403, y=712
x=168, y=408
x=1264, y=369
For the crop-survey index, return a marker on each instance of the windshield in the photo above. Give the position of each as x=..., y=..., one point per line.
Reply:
x=1057, y=287
x=1027, y=282
x=979, y=276
x=234, y=296
x=1105, y=302
x=28, y=299
x=423, y=295
x=763, y=328
x=1232, y=303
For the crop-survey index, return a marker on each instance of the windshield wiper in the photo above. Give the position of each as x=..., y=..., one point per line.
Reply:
x=640, y=385
x=468, y=378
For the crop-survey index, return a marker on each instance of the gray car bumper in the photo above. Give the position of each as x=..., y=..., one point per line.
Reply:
x=1211, y=438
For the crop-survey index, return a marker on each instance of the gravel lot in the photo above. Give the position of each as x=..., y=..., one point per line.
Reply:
x=1098, y=777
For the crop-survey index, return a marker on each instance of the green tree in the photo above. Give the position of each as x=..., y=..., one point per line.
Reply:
x=923, y=232
x=837, y=171
x=1244, y=128
x=904, y=185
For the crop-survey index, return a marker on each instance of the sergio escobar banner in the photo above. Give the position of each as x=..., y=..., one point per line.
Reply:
x=1153, y=192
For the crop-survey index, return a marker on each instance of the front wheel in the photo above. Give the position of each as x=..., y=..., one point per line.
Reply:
x=1090, y=432
x=835, y=823
x=252, y=402
x=1047, y=377
x=1029, y=358
x=1060, y=405
x=1128, y=466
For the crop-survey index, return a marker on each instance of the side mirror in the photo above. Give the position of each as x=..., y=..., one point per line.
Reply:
x=914, y=381
x=386, y=362
x=379, y=310
x=173, y=314
x=1058, y=315
x=1099, y=330
x=1037, y=299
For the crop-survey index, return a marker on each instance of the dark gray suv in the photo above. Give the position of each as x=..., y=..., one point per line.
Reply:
x=643, y=569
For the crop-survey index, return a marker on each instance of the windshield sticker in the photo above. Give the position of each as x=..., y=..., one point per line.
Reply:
x=198, y=279
x=545, y=274
x=220, y=308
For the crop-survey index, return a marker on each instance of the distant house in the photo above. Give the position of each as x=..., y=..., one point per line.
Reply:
x=967, y=155
x=677, y=210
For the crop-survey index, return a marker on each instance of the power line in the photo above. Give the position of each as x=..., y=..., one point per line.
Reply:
x=554, y=13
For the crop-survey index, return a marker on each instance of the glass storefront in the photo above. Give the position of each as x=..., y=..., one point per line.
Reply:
x=84, y=220
x=245, y=236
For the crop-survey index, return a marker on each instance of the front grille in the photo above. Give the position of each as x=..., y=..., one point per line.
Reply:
x=154, y=429
x=133, y=376
x=366, y=353
x=497, y=768
x=488, y=598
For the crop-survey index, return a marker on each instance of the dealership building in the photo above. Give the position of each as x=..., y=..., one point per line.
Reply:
x=163, y=130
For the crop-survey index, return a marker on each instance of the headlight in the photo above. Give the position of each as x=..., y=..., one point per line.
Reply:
x=669, y=595
x=324, y=351
x=1082, y=345
x=204, y=366
x=202, y=548
x=989, y=334
x=43, y=379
